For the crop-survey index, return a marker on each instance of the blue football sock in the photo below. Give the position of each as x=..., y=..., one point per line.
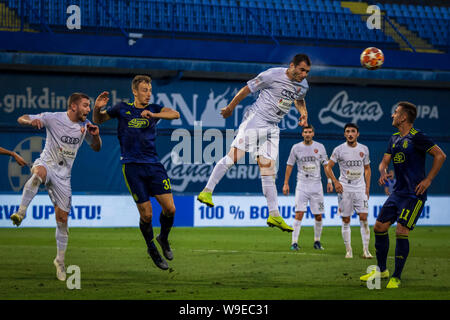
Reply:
x=401, y=253
x=166, y=225
x=382, y=249
x=147, y=232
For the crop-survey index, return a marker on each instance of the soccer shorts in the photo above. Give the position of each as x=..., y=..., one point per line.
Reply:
x=145, y=180
x=352, y=201
x=258, y=137
x=313, y=195
x=403, y=209
x=59, y=189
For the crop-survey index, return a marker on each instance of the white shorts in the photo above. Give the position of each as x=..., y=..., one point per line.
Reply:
x=257, y=137
x=315, y=198
x=59, y=190
x=352, y=201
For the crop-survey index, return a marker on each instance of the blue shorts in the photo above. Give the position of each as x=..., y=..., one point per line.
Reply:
x=402, y=209
x=145, y=180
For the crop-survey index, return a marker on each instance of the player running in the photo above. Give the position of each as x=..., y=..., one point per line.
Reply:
x=259, y=133
x=309, y=156
x=353, y=186
x=407, y=148
x=144, y=175
x=65, y=134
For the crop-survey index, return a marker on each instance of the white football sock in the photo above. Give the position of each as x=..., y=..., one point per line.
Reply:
x=297, y=226
x=219, y=171
x=30, y=189
x=346, y=235
x=62, y=237
x=270, y=192
x=317, y=230
x=365, y=234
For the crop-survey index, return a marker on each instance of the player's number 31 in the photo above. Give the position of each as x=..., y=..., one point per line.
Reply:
x=167, y=184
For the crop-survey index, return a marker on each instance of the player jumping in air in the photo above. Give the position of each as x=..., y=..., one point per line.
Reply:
x=65, y=134
x=309, y=156
x=144, y=175
x=408, y=149
x=353, y=185
x=259, y=133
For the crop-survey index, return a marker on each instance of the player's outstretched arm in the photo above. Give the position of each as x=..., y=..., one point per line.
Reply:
x=26, y=121
x=384, y=164
x=241, y=95
x=21, y=161
x=301, y=107
x=287, y=175
x=165, y=113
x=439, y=158
x=99, y=115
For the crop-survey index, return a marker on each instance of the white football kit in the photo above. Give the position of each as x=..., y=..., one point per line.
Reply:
x=259, y=133
x=309, y=159
x=351, y=162
x=64, y=138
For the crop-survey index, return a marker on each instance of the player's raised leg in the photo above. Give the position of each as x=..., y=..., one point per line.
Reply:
x=219, y=171
x=267, y=169
x=146, y=227
x=30, y=189
x=62, y=238
x=166, y=219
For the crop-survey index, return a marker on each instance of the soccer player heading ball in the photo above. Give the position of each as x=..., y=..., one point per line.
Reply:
x=144, y=175
x=407, y=148
x=259, y=133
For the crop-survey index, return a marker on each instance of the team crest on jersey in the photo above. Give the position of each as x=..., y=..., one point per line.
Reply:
x=405, y=144
x=361, y=154
x=316, y=150
x=139, y=123
x=399, y=157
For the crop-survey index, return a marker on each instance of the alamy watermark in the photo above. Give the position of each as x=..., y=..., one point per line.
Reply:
x=374, y=281
x=74, y=280
x=374, y=20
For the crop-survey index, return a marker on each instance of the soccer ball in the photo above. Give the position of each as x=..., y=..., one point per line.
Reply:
x=372, y=58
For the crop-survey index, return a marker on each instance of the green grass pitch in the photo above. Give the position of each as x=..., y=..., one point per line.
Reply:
x=217, y=263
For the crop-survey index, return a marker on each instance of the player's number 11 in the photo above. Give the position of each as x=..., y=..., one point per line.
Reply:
x=404, y=216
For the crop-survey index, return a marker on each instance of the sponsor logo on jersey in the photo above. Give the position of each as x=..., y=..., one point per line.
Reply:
x=399, y=157
x=290, y=95
x=139, y=123
x=308, y=159
x=353, y=163
x=70, y=140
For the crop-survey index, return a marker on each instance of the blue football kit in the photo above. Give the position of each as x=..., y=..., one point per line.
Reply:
x=144, y=175
x=408, y=154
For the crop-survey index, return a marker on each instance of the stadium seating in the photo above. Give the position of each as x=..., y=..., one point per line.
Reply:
x=285, y=20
